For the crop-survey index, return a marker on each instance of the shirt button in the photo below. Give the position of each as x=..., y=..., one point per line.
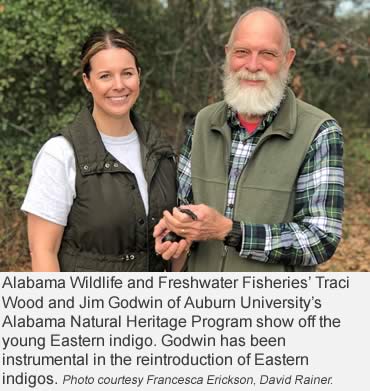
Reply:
x=231, y=206
x=86, y=167
x=106, y=165
x=115, y=164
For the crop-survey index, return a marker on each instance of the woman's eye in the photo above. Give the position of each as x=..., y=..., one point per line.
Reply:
x=104, y=76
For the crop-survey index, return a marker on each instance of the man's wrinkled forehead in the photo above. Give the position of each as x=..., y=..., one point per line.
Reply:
x=258, y=23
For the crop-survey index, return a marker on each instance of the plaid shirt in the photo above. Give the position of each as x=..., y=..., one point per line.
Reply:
x=315, y=230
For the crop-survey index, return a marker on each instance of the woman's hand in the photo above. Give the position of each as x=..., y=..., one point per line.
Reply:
x=170, y=251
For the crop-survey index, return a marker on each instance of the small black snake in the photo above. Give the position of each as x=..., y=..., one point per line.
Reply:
x=171, y=236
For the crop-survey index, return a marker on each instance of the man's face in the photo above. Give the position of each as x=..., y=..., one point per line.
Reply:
x=257, y=66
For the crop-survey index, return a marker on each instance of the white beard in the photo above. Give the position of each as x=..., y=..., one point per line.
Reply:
x=254, y=100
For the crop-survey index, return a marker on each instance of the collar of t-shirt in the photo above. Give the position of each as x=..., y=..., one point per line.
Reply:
x=250, y=127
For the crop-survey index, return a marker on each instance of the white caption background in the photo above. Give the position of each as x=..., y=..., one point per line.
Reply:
x=276, y=331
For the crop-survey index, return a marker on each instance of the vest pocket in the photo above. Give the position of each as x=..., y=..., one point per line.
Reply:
x=264, y=206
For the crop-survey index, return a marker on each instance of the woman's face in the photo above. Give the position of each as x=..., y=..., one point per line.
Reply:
x=113, y=82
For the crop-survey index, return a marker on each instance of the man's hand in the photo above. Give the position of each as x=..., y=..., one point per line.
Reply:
x=210, y=224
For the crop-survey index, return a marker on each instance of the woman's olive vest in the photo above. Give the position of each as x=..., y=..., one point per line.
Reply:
x=266, y=187
x=107, y=228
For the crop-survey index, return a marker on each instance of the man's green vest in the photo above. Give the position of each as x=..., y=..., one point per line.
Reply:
x=266, y=186
x=107, y=228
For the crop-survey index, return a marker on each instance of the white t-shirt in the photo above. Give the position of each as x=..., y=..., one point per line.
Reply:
x=52, y=188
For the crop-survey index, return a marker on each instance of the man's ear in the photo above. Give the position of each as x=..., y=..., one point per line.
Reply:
x=289, y=57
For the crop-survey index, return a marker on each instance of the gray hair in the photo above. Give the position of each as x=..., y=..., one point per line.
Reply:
x=279, y=18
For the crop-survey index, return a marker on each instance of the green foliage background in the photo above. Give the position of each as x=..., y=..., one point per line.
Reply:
x=181, y=52
x=40, y=87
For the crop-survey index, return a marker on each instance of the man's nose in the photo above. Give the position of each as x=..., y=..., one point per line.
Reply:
x=253, y=63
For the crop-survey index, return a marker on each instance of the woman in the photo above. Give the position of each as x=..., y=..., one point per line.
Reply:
x=99, y=188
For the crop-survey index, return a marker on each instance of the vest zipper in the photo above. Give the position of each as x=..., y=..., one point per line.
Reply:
x=237, y=186
x=226, y=249
x=149, y=213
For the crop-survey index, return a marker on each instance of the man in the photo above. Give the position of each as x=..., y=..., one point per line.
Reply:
x=262, y=168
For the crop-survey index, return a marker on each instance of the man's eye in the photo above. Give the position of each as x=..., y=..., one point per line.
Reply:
x=269, y=54
x=241, y=52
